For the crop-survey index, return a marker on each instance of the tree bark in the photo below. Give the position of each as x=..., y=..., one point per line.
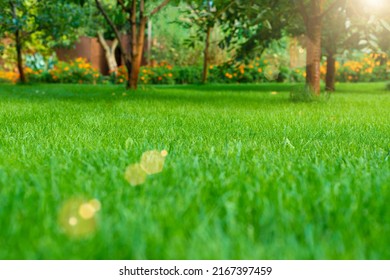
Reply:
x=330, y=72
x=313, y=55
x=206, y=55
x=109, y=52
x=138, y=50
x=133, y=55
x=18, y=44
x=22, y=77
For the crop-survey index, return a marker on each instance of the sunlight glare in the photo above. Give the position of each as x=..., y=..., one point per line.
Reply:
x=376, y=4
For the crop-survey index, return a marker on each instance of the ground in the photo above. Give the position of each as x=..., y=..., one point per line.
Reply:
x=248, y=175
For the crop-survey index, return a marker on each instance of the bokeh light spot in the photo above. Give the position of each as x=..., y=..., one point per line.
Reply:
x=135, y=174
x=95, y=204
x=86, y=211
x=152, y=162
x=77, y=218
x=164, y=153
x=73, y=221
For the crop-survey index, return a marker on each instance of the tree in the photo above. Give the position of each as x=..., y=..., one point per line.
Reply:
x=338, y=35
x=96, y=26
x=21, y=19
x=352, y=26
x=135, y=13
x=312, y=13
x=205, y=15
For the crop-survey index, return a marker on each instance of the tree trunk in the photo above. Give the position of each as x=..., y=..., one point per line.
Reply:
x=18, y=44
x=22, y=77
x=109, y=52
x=313, y=56
x=330, y=72
x=206, y=55
x=137, y=54
x=129, y=67
x=150, y=38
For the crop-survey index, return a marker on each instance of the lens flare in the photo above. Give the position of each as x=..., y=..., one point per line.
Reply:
x=164, y=153
x=77, y=217
x=153, y=161
x=135, y=174
x=376, y=4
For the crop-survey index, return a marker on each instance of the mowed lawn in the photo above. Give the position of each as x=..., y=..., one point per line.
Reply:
x=249, y=174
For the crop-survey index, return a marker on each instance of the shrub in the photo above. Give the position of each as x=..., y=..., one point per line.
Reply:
x=370, y=68
x=8, y=77
x=77, y=71
x=187, y=74
x=159, y=74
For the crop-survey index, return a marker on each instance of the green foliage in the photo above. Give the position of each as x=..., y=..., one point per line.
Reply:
x=94, y=22
x=170, y=38
x=38, y=62
x=363, y=68
x=187, y=74
x=252, y=28
x=388, y=86
x=232, y=187
x=41, y=18
x=77, y=71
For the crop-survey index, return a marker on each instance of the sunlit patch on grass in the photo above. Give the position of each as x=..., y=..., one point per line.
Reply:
x=77, y=217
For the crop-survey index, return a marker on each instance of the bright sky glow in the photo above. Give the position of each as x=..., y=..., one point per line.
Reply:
x=377, y=4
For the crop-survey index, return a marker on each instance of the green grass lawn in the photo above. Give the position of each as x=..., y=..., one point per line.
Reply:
x=249, y=174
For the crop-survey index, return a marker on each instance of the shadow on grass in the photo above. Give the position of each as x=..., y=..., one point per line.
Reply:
x=236, y=95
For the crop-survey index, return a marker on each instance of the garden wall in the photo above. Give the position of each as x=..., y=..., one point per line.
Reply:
x=88, y=48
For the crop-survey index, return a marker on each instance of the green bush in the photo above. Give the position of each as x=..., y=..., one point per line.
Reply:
x=77, y=71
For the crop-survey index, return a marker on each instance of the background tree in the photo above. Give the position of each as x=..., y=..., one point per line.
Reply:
x=313, y=13
x=204, y=16
x=135, y=13
x=96, y=26
x=21, y=19
x=252, y=27
x=354, y=25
